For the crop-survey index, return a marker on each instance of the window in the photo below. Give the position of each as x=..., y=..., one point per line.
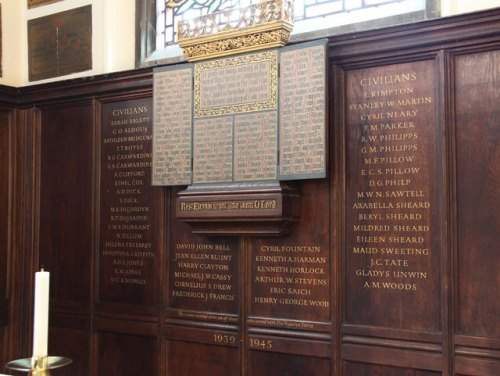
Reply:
x=313, y=19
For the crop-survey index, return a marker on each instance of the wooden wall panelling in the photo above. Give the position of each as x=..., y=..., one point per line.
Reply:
x=130, y=252
x=127, y=354
x=362, y=369
x=65, y=223
x=6, y=177
x=475, y=94
x=289, y=300
x=203, y=292
x=6, y=217
x=243, y=327
x=22, y=232
x=131, y=211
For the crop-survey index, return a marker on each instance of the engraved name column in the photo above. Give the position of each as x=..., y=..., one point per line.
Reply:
x=130, y=214
x=391, y=214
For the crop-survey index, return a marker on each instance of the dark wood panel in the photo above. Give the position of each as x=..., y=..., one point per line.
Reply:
x=477, y=94
x=6, y=165
x=465, y=366
x=290, y=276
x=131, y=210
x=117, y=325
x=392, y=231
x=264, y=363
x=363, y=369
x=187, y=359
x=66, y=181
x=203, y=272
x=393, y=353
x=74, y=344
x=122, y=354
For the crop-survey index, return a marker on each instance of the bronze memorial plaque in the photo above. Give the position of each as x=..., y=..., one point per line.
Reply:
x=303, y=112
x=130, y=222
x=60, y=44
x=172, y=149
x=392, y=216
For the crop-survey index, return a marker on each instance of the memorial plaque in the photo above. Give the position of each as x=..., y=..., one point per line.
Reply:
x=237, y=120
x=303, y=112
x=238, y=84
x=213, y=150
x=130, y=214
x=172, y=144
x=255, y=146
x=392, y=216
x=60, y=44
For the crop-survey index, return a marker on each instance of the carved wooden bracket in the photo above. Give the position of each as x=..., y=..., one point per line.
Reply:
x=264, y=208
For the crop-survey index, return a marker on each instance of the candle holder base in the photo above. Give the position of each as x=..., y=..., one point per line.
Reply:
x=38, y=366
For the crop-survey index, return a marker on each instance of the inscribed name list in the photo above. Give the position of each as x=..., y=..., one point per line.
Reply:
x=391, y=188
x=172, y=127
x=202, y=276
x=302, y=112
x=213, y=150
x=128, y=240
x=236, y=85
x=255, y=146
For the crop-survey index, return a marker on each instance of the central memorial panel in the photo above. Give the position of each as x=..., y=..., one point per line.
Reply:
x=255, y=117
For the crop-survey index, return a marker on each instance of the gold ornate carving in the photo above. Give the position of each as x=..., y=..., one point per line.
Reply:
x=269, y=58
x=264, y=25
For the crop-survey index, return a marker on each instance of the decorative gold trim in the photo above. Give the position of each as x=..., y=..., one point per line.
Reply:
x=270, y=104
x=264, y=25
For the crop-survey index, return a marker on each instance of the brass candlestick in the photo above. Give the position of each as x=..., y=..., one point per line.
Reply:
x=38, y=366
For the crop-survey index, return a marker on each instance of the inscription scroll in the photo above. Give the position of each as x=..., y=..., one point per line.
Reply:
x=391, y=242
x=172, y=127
x=302, y=113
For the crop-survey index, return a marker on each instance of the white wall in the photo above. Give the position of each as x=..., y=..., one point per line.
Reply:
x=113, y=34
x=453, y=7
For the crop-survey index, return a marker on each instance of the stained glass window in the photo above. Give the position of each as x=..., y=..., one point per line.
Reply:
x=311, y=16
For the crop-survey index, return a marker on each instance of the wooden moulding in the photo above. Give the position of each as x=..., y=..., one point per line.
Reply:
x=264, y=208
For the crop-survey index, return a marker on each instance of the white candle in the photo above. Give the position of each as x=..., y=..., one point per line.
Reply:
x=41, y=316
